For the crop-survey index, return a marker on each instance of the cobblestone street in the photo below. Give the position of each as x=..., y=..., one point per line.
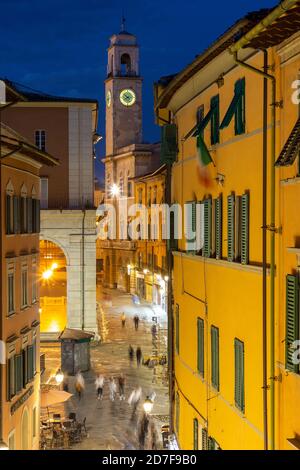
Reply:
x=112, y=425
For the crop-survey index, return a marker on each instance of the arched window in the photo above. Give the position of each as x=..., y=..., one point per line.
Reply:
x=125, y=64
x=129, y=185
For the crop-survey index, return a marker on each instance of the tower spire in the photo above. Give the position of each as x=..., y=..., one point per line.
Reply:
x=123, y=21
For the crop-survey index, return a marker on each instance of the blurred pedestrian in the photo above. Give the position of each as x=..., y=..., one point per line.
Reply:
x=99, y=383
x=136, y=322
x=123, y=319
x=65, y=385
x=135, y=398
x=138, y=356
x=121, y=380
x=112, y=388
x=130, y=353
x=79, y=384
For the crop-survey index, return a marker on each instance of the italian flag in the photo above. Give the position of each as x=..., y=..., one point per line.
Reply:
x=204, y=160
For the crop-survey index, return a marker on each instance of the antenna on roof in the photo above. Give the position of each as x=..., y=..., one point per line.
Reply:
x=123, y=21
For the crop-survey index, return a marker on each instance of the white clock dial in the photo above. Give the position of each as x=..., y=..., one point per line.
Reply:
x=127, y=97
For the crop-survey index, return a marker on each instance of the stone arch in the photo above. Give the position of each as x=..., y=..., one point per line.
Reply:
x=60, y=245
x=25, y=429
x=125, y=64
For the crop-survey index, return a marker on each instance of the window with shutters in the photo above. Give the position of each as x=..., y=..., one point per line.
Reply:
x=25, y=367
x=200, y=346
x=292, y=321
x=11, y=293
x=207, y=248
x=18, y=373
x=40, y=139
x=24, y=288
x=34, y=281
x=29, y=215
x=196, y=434
x=190, y=211
x=44, y=193
x=30, y=363
x=16, y=215
x=9, y=215
x=23, y=207
x=168, y=143
x=215, y=370
x=34, y=422
x=177, y=326
x=236, y=109
x=10, y=378
x=35, y=203
x=239, y=382
x=230, y=227
x=245, y=228
x=218, y=227
x=204, y=439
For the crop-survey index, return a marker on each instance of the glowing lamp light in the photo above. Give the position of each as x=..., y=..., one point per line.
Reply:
x=54, y=266
x=145, y=271
x=59, y=377
x=129, y=267
x=54, y=327
x=148, y=405
x=47, y=274
x=40, y=310
x=158, y=277
x=115, y=190
x=166, y=278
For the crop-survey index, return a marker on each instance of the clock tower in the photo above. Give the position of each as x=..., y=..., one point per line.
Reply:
x=123, y=93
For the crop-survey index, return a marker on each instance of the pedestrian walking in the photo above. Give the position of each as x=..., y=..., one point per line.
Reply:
x=112, y=388
x=138, y=356
x=99, y=383
x=130, y=353
x=121, y=380
x=79, y=384
x=136, y=322
x=135, y=398
x=123, y=318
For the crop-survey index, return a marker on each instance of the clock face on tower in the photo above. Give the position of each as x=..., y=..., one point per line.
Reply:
x=127, y=97
x=108, y=98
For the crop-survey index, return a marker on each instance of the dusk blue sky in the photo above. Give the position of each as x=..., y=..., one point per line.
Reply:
x=59, y=46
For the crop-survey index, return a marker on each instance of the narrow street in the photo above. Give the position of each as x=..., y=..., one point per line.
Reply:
x=112, y=425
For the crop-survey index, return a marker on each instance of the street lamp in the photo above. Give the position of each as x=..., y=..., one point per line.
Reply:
x=47, y=274
x=115, y=190
x=59, y=377
x=54, y=266
x=3, y=445
x=148, y=405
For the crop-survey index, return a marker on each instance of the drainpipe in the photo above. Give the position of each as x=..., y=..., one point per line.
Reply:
x=272, y=229
x=170, y=310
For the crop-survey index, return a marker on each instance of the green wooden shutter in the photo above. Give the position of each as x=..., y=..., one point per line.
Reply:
x=29, y=215
x=19, y=372
x=207, y=228
x=9, y=378
x=173, y=233
x=16, y=209
x=230, y=227
x=196, y=430
x=211, y=443
x=218, y=227
x=239, y=383
x=177, y=328
x=204, y=439
x=200, y=346
x=239, y=90
x=30, y=362
x=168, y=143
x=245, y=229
x=215, y=120
x=215, y=372
x=292, y=320
x=25, y=367
x=190, y=221
x=8, y=214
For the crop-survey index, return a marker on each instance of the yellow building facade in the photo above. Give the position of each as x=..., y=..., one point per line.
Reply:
x=150, y=270
x=219, y=338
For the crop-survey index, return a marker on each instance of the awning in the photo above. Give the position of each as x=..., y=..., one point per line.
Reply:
x=291, y=147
